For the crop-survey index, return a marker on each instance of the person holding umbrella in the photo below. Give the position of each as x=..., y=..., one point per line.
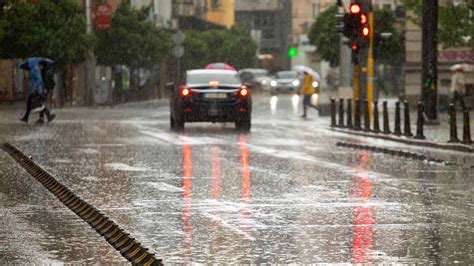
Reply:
x=307, y=89
x=36, y=90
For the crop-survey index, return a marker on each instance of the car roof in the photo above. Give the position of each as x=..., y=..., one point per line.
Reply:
x=212, y=71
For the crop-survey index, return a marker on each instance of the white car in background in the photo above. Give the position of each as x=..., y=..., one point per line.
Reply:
x=257, y=77
x=286, y=82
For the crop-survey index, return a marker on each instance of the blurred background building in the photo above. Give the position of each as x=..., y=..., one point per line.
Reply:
x=270, y=22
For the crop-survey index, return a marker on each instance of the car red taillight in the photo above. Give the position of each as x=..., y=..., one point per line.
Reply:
x=185, y=91
x=244, y=91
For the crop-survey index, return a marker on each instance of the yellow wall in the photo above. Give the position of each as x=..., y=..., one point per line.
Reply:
x=222, y=14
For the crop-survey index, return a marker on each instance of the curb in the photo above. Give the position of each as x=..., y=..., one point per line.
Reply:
x=421, y=143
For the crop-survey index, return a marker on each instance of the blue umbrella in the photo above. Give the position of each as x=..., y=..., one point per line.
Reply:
x=35, y=81
x=48, y=63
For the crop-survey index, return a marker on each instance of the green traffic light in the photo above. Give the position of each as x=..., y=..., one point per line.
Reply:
x=292, y=52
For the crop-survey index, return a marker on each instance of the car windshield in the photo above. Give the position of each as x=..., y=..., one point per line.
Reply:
x=204, y=78
x=286, y=75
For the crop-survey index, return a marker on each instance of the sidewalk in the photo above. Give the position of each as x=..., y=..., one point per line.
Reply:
x=438, y=133
x=436, y=136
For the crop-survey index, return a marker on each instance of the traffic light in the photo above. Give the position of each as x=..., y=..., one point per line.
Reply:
x=360, y=27
x=355, y=26
x=292, y=52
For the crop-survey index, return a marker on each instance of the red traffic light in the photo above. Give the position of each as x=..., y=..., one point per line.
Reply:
x=355, y=9
x=365, y=31
x=354, y=47
x=363, y=19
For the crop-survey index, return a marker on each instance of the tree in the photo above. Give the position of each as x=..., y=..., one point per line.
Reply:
x=455, y=22
x=324, y=36
x=232, y=46
x=45, y=28
x=196, y=53
x=131, y=41
x=387, y=51
x=240, y=48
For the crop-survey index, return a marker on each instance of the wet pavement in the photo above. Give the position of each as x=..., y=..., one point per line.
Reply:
x=282, y=194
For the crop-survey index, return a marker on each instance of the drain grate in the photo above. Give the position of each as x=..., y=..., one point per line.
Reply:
x=128, y=247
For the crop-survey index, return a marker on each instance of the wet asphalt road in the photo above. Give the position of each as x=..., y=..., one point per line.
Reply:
x=282, y=194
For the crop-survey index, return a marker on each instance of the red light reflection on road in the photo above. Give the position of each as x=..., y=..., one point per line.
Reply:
x=216, y=172
x=362, y=240
x=187, y=171
x=244, y=160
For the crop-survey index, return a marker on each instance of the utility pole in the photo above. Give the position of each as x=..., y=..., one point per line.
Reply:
x=90, y=62
x=429, y=48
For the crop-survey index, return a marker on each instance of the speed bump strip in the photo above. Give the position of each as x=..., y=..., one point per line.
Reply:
x=128, y=247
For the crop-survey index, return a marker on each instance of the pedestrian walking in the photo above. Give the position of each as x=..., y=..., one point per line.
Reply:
x=48, y=81
x=458, y=85
x=307, y=90
x=36, y=96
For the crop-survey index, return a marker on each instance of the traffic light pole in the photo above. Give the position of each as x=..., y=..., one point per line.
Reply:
x=370, y=62
x=356, y=82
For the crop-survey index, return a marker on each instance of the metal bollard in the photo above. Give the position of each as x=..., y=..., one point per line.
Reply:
x=420, y=121
x=386, y=125
x=407, y=128
x=349, y=113
x=398, y=130
x=333, y=112
x=366, y=116
x=357, y=115
x=453, y=132
x=376, y=117
x=466, y=138
x=341, y=112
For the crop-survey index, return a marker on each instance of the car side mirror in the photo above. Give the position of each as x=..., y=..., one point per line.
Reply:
x=170, y=86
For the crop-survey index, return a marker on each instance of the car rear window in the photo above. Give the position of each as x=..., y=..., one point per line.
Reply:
x=204, y=78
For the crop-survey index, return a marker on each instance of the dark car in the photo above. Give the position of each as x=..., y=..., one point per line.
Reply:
x=211, y=95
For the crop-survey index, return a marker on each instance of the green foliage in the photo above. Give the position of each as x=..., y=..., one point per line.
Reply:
x=234, y=47
x=45, y=28
x=324, y=36
x=455, y=26
x=239, y=48
x=195, y=51
x=390, y=51
x=455, y=23
x=131, y=40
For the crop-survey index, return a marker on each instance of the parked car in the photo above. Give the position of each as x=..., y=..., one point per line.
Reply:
x=257, y=77
x=210, y=95
x=286, y=81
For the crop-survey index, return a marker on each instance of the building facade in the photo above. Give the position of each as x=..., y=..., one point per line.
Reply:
x=270, y=22
x=221, y=12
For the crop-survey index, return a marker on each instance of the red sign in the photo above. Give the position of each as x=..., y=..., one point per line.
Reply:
x=102, y=16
